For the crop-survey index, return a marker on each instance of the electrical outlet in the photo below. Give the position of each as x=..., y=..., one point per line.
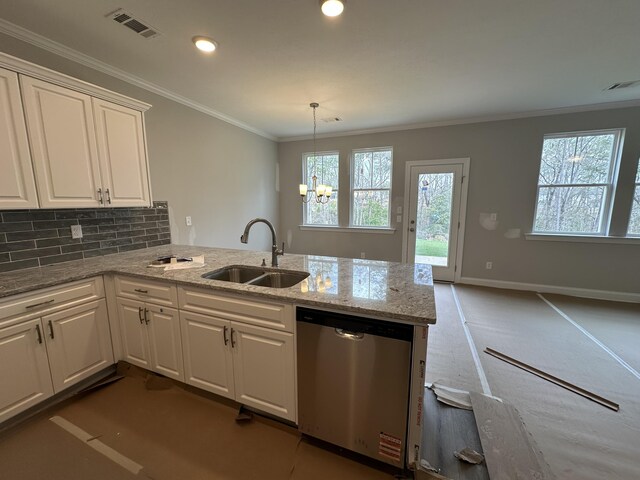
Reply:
x=187, y=220
x=362, y=255
x=489, y=265
x=399, y=218
x=76, y=231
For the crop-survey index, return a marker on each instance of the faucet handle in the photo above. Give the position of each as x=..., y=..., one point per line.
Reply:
x=282, y=251
x=264, y=263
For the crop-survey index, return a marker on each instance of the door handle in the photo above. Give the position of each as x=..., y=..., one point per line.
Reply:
x=224, y=335
x=412, y=229
x=40, y=304
x=100, y=197
x=39, y=333
x=108, y=196
x=146, y=319
x=233, y=342
x=51, y=330
x=140, y=310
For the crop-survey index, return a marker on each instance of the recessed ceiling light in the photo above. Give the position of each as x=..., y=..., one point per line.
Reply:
x=332, y=8
x=205, y=44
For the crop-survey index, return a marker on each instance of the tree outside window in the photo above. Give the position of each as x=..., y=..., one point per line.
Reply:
x=575, y=184
x=326, y=167
x=371, y=187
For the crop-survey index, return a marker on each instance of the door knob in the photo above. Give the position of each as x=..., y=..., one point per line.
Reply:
x=412, y=229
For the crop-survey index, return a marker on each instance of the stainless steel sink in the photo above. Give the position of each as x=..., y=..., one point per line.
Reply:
x=279, y=279
x=260, y=276
x=235, y=273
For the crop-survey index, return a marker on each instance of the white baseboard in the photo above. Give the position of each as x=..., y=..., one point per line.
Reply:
x=540, y=288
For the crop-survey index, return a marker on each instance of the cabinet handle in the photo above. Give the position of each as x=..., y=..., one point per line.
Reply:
x=40, y=304
x=140, y=310
x=39, y=334
x=224, y=335
x=100, y=196
x=139, y=290
x=108, y=196
x=233, y=342
x=51, y=330
x=146, y=319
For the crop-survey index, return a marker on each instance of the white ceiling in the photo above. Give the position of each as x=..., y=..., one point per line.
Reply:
x=382, y=64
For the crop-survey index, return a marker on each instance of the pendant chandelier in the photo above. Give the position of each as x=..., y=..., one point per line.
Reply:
x=320, y=193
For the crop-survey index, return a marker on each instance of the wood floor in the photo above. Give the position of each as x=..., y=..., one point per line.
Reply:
x=592, y=344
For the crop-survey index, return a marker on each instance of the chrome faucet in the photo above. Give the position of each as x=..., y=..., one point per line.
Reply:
x=275, y=251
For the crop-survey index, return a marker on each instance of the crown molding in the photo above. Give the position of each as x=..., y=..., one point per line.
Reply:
x=470, y=120
x=62, y=50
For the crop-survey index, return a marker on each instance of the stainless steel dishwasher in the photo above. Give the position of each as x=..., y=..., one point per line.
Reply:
x=353, y=382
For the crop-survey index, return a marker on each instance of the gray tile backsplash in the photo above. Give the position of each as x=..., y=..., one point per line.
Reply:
x=31, y=238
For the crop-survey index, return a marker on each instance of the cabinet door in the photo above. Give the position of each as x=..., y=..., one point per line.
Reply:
x=133, y=330
x=122, y=154
x=263, y=362
x=63, y=146
x=208, y=363
x=79, y=343
x=24, y=369
x=17, y=185
x=165, y=344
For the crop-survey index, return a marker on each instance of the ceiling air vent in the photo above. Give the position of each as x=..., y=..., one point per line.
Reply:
x=140, y=27
x=618, y=86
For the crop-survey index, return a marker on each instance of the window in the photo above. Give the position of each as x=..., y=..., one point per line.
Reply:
x=371, y=187
x=325, y=166
x=576, y=182
x=634, y=220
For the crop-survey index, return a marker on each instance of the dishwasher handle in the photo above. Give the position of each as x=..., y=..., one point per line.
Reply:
x=349, y=335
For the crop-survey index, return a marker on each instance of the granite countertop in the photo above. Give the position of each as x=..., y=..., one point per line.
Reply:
x=394, y=291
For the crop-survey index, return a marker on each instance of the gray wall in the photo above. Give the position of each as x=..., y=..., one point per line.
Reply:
x=219, y=174
x=505, y=159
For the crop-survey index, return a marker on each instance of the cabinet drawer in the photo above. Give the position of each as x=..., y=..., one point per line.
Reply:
x=274, y=315
x=160, y=293
x=52, y=299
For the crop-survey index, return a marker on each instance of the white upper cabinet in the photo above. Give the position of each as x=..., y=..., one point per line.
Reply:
x=17, y=185
x=121, y=150
x=68, y=144
x=63, y=145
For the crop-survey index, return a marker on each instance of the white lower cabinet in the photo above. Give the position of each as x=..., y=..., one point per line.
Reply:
x=79, y=343
x=151, y=337
x=208, y=363
x=263, y=365
x=250, y=364
x=49, y=340
x=24, y=368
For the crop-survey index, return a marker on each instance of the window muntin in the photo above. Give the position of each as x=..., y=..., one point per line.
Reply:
x=326, y=167
x=634, y=219
x=576, y=182
x=371, y=171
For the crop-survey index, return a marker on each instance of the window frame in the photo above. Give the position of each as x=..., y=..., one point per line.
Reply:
x=610, y=187
x=635, y=191
x=352, y=189
x=335, y=190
